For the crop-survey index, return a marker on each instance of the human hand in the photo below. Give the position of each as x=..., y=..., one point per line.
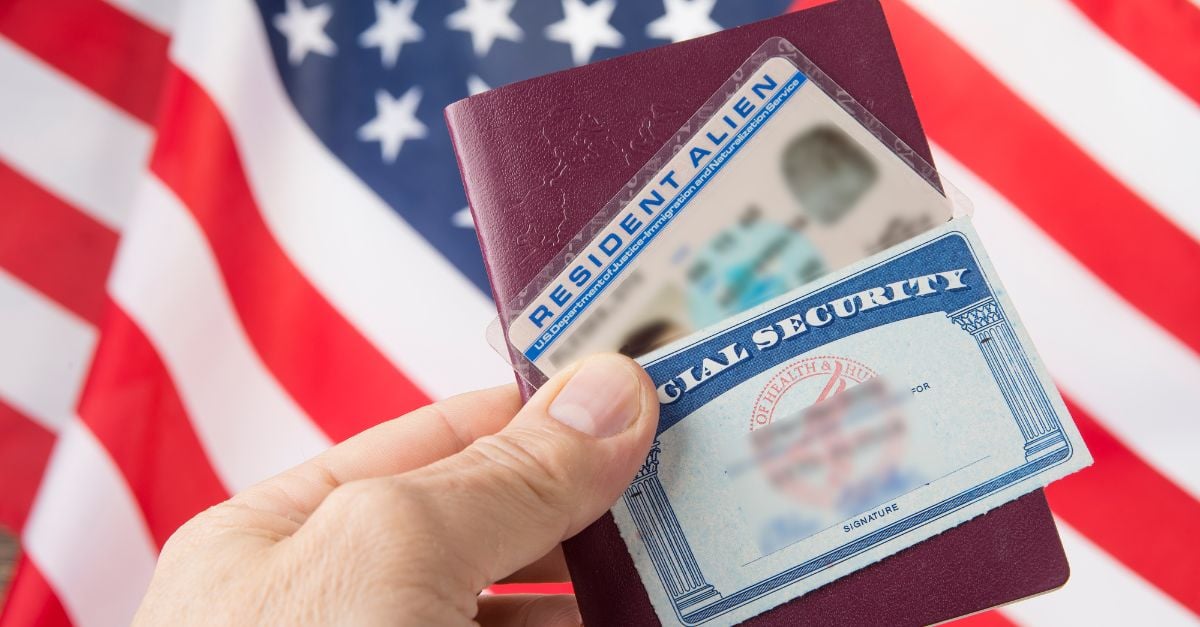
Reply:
x=407, y=522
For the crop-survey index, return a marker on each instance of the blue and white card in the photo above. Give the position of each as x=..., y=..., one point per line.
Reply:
x=833, y=426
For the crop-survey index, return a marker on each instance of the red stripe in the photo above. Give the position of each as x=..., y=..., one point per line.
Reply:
x=1137, y=515
x=338, y=377
x=533, y=588
x=1135, y=250
x=24, y=449
x=47, y=243
x=110, y=52
x=1164, y=34
x=131, y=405
x=31, y=602
x=800, y=5
x=990, y=618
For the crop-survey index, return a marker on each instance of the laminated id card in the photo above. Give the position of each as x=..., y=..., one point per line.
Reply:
x=779, y=179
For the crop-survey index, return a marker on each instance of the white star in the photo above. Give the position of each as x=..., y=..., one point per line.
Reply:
x=304, y=28
x=393, y=28
x=684, y=19
x=475, y=85
x=462, y=218
x=584, y=27
x=395, y=122
x=487, y=21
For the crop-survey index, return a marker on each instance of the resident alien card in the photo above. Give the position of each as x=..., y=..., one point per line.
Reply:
x=840, y=423
x=779, y=179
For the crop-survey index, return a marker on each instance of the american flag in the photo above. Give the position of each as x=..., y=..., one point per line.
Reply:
x=226, y=227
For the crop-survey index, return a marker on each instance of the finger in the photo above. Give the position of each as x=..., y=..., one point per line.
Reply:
x=410, y=441
x=422, y=436
x=509, y=498
x=550, y=568
x=528, y=610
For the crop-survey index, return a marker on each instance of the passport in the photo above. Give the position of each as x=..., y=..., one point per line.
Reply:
x=539, y=158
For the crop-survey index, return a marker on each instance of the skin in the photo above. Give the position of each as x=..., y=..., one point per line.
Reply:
x=405, y=523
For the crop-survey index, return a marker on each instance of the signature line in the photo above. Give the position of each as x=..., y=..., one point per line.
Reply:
x=896, y=498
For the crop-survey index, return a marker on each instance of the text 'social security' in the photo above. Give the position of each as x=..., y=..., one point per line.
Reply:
x=792, y=326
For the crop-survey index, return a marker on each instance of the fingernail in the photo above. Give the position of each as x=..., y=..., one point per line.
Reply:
x=601, y=400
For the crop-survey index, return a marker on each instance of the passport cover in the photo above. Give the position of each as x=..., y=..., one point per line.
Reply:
x=540, y=157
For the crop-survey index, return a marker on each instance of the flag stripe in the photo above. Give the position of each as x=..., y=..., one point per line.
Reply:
x=981, y=122
x=1100, y=592
x=45, y=354
x=990, y=618
x=74, y=148
x=161, y=15
x=340, y=379
x=31, y=601
x=81, y=539
x=24, y=448
x=1103, y=356
x=1093, y=91
x=55, y=248
x=372, y=266
x=133, y=409
x=249, y=427
x=1162, y=33
x=1138, y=516
x=93, y=42
x=66, y=139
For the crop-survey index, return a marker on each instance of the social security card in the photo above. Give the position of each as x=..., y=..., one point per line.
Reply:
x=835, y=425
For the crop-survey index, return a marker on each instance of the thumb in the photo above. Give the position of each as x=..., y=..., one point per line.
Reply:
x=509, y=498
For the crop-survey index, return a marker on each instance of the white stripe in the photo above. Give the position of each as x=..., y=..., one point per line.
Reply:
x=1120, y=366
x=44, y=353
x=67, y=139
x=382, y=275
x=157, y=14
x=1101, y=591
x=166, y=280
x=1133, y=122
x=86, y=534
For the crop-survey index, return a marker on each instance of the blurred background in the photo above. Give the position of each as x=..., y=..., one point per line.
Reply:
x=226, y=226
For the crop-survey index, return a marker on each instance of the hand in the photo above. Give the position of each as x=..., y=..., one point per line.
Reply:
x=407, y=522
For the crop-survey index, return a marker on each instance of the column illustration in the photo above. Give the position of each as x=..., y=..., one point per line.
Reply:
x=659, y=528
x=1018, y=382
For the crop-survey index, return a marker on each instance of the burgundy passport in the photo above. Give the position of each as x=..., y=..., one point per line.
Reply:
x=540, y=157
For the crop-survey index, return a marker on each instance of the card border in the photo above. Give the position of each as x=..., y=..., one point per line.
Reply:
x=658, y=525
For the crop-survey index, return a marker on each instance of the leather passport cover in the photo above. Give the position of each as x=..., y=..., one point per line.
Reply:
x=540, y=157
